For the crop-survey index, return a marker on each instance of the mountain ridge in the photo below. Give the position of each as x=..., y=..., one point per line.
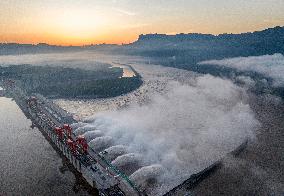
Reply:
x=141, y=37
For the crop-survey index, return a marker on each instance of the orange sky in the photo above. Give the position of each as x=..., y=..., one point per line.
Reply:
x=79, y=22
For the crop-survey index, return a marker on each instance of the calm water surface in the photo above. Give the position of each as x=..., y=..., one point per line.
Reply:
x=28, y=163
x=127, y=70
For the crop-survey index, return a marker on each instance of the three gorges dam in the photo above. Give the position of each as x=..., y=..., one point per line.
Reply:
x=107, y=167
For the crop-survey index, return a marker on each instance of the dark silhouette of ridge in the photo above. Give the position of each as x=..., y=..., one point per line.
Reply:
x=269, y=40
x=199, y=36
x=187, y=49
x=182, y=50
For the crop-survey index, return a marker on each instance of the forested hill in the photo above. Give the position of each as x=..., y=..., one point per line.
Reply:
x=268, y=33
x=192, y=48
x=188, y=48
x=62, y=82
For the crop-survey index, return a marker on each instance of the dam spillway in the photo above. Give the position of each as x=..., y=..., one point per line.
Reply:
x=106, y=165
x=55, y=123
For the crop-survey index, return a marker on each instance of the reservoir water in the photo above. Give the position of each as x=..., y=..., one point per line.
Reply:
x=28, y=163
x=127, y=70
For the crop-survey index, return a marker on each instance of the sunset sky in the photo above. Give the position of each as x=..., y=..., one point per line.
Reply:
x=79, y=22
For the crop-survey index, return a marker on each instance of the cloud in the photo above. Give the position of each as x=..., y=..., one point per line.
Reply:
x=134, y=26
x=124, y=12
x=271, y=66
x=273, y=21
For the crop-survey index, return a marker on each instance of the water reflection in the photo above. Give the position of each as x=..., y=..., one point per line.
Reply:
x=128, y=71
x=28, y=163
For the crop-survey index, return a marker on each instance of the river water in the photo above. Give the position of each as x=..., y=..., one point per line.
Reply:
x=127, y=70
x=28, y=163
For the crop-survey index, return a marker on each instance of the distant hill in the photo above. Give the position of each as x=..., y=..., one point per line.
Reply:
x=184, y=50
x=271, y=32
x=193, y=47
x=15, y=48
x=187, y=48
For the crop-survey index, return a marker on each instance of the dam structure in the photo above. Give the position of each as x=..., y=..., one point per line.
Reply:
x=55, y=124
x=104, y=164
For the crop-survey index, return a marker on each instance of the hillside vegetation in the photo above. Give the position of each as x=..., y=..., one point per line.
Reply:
x=61, y=82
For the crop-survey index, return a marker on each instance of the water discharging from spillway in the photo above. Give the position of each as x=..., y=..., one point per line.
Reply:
x=160, y=144
x=119, y=156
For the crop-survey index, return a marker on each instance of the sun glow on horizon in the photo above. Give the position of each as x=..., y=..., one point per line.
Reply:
x=78, y=22
x=78, y=25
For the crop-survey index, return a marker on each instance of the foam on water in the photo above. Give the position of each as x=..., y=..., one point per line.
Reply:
x=148, y=176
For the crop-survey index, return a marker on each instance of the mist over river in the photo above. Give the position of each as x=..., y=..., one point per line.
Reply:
x=204, y=116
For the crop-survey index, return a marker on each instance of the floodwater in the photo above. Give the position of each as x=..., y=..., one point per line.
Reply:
x=28, y=163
